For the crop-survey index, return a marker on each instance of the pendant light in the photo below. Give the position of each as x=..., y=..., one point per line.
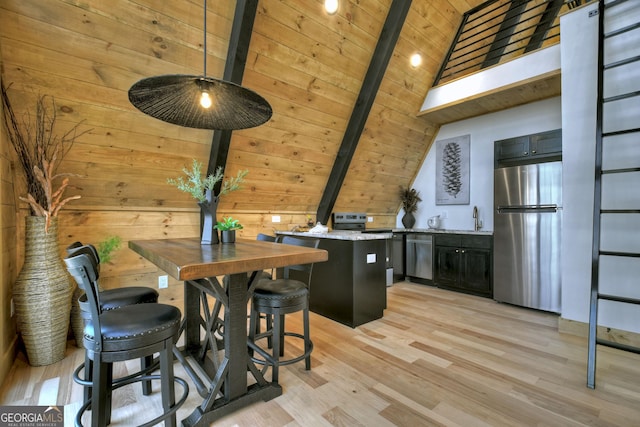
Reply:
x=200, y=101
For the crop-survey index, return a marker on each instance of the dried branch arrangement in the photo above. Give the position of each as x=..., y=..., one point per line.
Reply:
x=410, y=197
x=40, y=152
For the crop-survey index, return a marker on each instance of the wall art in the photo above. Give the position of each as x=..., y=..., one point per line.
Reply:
x=452, y=170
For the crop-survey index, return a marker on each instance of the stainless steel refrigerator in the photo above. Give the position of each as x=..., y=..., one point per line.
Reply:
x=527, y=227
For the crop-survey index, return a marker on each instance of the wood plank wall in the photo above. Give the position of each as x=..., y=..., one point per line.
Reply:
x=309, y=66
x=8, y=254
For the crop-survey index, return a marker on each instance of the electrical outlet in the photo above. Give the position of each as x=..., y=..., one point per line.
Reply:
x=275, y=218
x=163, y=282
x=369, y=219
x=443, y=215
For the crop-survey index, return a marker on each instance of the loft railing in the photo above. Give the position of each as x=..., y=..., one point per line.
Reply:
x=500, y=30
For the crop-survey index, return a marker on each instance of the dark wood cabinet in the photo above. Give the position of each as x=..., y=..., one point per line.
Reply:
x=544, y=146
x=350, y=287
x=398, y=245
x=463, y=262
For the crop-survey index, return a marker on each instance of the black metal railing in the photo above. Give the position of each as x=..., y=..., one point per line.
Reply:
x=500, y=30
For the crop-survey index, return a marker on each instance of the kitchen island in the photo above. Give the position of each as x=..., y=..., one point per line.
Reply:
x=350, y=287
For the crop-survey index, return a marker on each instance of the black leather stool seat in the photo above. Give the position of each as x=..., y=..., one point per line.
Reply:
x=121, y=297
x=134, y=326
x=280, y=293
x=115, y=298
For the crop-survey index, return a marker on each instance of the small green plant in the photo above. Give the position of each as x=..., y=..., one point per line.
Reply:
x=196, y=185
x=228, y=224
x=107, y=247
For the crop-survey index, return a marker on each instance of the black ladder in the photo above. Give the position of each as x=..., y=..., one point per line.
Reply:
x=616, y=220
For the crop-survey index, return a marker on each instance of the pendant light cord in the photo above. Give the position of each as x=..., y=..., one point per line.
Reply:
x=205, y=38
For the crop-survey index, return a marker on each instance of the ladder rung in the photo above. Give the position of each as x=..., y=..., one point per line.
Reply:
x=622, y=30
x=621, y=62
x=625, y=170
x=621, y=254
x=620, y=132
x=618, y=345
x=614, y=3
x=620, y=211
x=618, y=298
x=622, y=96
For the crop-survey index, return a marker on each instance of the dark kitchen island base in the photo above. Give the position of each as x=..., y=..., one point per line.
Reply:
x=350, y=287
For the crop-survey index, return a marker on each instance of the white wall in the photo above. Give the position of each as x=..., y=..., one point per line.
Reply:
x=484, y=130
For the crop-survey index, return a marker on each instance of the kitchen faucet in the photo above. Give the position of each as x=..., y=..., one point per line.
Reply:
x=477, y=224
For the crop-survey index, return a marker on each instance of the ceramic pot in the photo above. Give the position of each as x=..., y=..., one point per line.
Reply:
x=228, y=236
x=408, y=220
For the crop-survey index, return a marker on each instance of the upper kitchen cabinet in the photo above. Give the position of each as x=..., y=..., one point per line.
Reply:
x=539, y=147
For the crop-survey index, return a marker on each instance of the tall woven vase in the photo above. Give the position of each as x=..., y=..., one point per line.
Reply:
x=42, y=294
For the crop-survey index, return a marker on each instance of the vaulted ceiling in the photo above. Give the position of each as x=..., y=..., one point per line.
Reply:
x=310, y=66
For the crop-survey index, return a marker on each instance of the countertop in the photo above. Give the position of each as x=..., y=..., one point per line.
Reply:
x=376, y=234
x=340, y=235
x=432, y=230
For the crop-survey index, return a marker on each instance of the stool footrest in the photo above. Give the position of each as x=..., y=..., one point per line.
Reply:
x=132, y=379
x=268, y=359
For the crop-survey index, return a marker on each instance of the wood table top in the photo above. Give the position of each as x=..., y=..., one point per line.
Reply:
x=186, y=259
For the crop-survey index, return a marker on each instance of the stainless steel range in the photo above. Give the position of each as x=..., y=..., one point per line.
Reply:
x=349, y=221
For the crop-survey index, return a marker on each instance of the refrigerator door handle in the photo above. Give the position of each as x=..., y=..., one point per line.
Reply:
x=527, y=209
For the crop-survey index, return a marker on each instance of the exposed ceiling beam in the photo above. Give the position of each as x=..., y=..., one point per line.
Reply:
x=240, y=38
x=377, y=67
x=546, y=22
x=501, y=40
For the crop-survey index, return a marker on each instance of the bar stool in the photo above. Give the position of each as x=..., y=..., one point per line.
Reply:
x=109, y=300
x=275, y=298
x=115, y=298
x=134, y=331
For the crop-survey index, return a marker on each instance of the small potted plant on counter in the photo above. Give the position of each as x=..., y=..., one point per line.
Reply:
x=228, y=227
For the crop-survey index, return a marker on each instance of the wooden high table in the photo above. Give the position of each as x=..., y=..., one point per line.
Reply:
x=222, y=384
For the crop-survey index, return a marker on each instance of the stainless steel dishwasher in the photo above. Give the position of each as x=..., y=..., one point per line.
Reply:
x=419, y=253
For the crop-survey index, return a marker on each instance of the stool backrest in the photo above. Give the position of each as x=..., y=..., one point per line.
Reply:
x=78, y=248
x=304, y=269
x=84, y=270
x=266, y=238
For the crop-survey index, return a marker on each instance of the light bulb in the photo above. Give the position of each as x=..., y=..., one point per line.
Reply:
x=205, y=99
x=331, y=6
x=416, y=60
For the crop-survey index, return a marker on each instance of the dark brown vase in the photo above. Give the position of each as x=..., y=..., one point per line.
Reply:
x=408, y=220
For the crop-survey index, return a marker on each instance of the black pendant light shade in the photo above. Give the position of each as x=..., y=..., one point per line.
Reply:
x=175, y=98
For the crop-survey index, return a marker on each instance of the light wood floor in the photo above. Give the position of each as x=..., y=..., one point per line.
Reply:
x=436, y=358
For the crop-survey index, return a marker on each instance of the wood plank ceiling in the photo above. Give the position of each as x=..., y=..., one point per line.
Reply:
x=310, y=66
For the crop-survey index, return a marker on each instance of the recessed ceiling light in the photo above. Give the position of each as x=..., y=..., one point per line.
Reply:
x=331, y=6
x=416, y=60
